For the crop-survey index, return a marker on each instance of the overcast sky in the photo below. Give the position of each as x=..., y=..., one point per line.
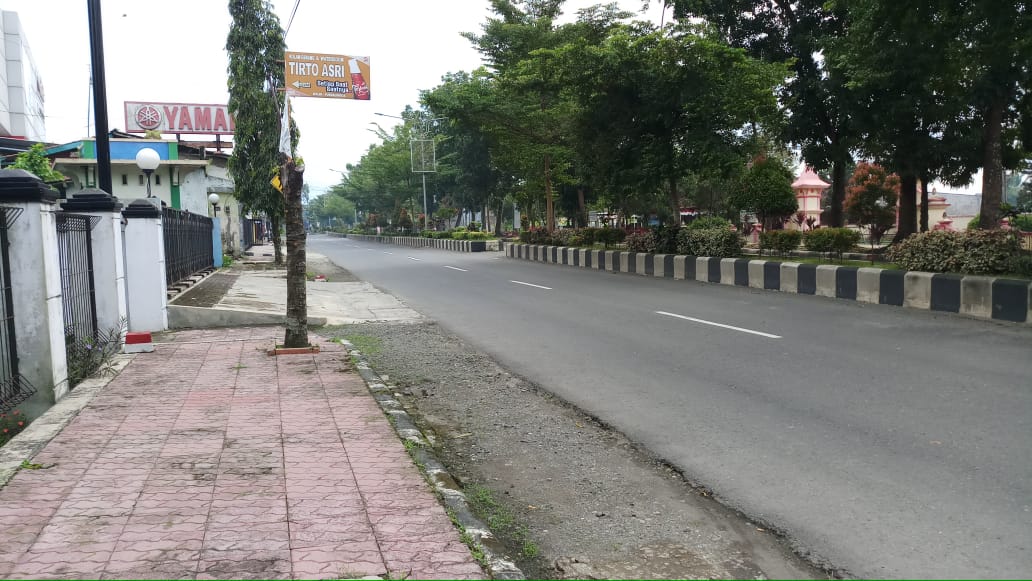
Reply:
x=175, y=52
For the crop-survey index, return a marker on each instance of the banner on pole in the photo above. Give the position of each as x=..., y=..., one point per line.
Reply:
x=332, y=76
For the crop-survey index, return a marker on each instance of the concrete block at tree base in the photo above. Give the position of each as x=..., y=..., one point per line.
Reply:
x=825, y=279
x=976, y=296
x=756, y=274
x=917, y=290
x=868, y=285
x=727, y=271
x=789, y=277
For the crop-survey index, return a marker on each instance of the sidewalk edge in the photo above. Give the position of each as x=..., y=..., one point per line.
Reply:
x=497, y=566
x=45, y=428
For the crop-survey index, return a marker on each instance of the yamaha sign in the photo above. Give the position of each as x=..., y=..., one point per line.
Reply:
x=144, y=116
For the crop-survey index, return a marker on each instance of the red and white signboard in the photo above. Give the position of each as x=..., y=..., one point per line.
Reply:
x=144, y=116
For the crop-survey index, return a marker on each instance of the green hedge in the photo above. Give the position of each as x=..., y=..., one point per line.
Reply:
x=783, y=242
x=969, y=252
x=832, y=240
x=713, y=242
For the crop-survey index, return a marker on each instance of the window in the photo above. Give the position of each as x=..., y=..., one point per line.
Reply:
x=157, y=179
x=125, y=180
x=141, y=179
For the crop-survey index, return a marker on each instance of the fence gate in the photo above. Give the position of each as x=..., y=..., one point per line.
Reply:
x=78, y=294
x=14, y=388
x=188, y=244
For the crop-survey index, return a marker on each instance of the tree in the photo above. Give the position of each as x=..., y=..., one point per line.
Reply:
x=871, y=199
x=296, y=321
x=902, y=112
x=255, y=48
x=35, y=161
x=657, y=106
x=766, y=190
x=995, y=37
x=816, y=102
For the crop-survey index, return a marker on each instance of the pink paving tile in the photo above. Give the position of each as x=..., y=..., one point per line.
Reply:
x=244, y=565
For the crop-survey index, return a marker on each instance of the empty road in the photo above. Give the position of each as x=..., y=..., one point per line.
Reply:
x=885, y=442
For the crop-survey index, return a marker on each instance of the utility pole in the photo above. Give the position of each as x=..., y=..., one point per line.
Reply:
x=99, y=97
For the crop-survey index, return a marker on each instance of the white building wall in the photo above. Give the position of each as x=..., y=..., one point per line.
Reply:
x=22, y=87
x=193, y=191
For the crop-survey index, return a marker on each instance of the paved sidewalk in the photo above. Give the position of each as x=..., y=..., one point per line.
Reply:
x=209, y=459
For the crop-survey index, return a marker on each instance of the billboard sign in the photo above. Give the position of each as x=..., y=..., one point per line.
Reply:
x=330, y=76
x=144, y=116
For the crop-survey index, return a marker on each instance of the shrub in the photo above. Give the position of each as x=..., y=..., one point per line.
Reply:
x=970, y=252
x=973, y=224
x=783, y=242
x=708, y=222
x=988, y=251
x=609, y=236
x=1021, y=265
x=460, y=234
x=666, y=239
x=642, y=241
x=566, y=237
x=832, y=240
x=1022, y=222
x=713, y=242
x=477, y=235
x=11, y=424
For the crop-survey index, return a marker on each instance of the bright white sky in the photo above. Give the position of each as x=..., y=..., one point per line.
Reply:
x=175, y=52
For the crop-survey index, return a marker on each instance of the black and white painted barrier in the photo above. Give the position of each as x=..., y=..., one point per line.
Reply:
x=984, y=297
x=420, y=242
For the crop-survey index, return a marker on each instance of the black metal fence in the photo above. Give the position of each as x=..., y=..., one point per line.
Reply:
x=247, y=227
x=188, y=244
x=78, y=292
x=14, y=388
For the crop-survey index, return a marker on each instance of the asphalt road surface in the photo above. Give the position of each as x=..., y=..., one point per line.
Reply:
x=886, y=442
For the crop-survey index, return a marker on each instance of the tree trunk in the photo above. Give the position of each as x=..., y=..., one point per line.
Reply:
x=498, y=217
x=582, y=214
x=907, y=207
x=549, y=207
x=297, y=296
x=274, y=226
x=992, y=168
x=838, y=192
x=924, y=204
x=675, y=203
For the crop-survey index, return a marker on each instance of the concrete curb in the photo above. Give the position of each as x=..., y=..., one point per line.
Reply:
x=439, y=243
x=45, y=428
x=184, y=317
x=498, y=567
x=981, y=297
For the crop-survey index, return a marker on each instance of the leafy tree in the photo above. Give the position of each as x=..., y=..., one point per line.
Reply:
x=35, y=161
x=871, y=199
x=766, y=190
x=995, y=39
x=255, y=48
x=656, y=106
x=902, y=112
x=816, y=102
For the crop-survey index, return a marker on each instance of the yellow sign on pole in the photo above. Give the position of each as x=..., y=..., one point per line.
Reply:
x=275, y=181
x=332, y=76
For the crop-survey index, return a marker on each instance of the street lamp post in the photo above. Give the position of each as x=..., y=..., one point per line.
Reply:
x=425, y=132
x=147, y=160
x=213, y=199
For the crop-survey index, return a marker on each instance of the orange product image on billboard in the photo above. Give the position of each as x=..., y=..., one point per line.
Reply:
x=332, y=76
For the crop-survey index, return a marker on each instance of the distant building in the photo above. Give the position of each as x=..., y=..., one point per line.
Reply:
x=21, y=88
